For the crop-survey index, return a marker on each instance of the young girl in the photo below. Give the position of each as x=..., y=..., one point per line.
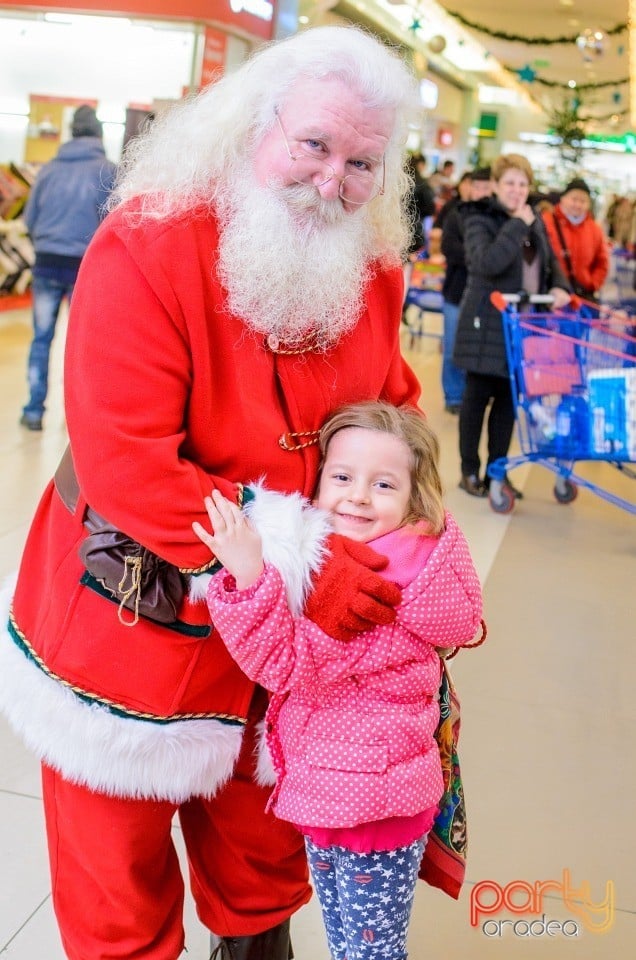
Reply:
x=351, y=725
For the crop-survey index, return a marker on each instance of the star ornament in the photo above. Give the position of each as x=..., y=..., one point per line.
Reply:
x=526, y=74
x=416, y=25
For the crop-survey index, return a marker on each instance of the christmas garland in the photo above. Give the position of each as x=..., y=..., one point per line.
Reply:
x=609, y=116
x=532, y=41
x=564, y=86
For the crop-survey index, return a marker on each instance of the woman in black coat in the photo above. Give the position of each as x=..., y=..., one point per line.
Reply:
x=506, y=249
x=420, y=201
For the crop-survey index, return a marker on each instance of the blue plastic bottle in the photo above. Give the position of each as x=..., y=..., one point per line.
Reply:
x=573, y=426
x=563, y=438
x=580, y=418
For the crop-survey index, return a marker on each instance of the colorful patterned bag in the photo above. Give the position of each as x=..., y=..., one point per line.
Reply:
x=444, y=860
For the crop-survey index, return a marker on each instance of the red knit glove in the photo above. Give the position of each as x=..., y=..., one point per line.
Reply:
x=347, y=595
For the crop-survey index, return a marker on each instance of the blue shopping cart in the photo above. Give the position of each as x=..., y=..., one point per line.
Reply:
x=573, y=381
x=425, y=293
x=623, y=282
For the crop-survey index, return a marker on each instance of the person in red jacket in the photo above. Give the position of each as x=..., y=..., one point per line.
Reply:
x=245, y=284
x=578, y=240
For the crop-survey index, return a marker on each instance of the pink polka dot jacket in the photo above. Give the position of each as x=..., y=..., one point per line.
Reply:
x=350, y=724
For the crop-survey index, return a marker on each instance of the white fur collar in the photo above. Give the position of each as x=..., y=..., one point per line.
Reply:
x=293, y=534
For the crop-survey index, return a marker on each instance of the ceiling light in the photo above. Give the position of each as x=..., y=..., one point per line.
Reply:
x=81, y=19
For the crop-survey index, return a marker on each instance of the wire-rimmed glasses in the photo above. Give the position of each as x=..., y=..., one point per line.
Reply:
x=355, y=188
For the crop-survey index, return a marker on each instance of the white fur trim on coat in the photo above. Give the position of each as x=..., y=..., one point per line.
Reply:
x=110, y=754
x=293, y=534
x=265, y=774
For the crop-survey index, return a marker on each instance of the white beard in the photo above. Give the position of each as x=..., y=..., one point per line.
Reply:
x=294, y=265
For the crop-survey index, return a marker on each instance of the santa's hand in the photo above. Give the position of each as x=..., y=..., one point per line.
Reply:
x=348, y=595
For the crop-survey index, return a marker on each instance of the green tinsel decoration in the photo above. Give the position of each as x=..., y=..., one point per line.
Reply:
x=532, y=41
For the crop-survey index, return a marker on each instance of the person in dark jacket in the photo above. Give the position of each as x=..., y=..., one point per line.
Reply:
x=506, y=249
x=472, y=186
x=420, y=206
x=420, y=201
x=63, y=211
x=460, y=192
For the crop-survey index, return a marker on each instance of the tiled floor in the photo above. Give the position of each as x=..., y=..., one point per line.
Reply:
x=549, y=713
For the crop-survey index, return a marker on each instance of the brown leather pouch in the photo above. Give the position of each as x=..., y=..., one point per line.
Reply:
x=140, y=580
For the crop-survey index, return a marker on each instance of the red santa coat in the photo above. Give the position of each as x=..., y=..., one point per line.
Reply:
x=167, y=396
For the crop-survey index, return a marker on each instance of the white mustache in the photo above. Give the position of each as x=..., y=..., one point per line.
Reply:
x=305, y=198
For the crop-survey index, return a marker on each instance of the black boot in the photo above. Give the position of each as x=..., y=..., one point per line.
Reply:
x=273, y=944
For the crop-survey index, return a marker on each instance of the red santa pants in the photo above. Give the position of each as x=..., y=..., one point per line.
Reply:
x=117, y=887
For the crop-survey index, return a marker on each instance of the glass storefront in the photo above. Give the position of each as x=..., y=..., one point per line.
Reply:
x=126, y=67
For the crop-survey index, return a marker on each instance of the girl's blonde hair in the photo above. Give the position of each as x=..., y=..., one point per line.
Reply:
x=409, y=425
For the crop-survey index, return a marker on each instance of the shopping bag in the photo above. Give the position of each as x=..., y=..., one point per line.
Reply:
x=549, y=366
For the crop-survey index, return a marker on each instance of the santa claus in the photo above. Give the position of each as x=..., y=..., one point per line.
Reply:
x=245, y=284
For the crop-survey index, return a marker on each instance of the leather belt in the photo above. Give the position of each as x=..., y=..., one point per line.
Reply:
x=67, y=486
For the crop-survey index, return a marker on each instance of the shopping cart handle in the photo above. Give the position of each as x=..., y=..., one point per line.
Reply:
x=501, y=300
x=543, y=298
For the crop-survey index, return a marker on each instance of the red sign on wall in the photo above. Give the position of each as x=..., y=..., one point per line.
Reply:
x=213, y=65
x=445, y=137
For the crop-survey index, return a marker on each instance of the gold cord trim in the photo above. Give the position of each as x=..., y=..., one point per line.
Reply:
x=195, y=570
x=272, y=343
x=291, y=446
x=112, y=704
x=291, y=353
x=132, y=566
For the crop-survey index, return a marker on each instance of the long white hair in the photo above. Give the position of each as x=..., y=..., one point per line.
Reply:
x=188, y=153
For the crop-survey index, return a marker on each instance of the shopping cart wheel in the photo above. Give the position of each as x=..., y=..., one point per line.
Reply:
x=501, y=497
x=565, y=491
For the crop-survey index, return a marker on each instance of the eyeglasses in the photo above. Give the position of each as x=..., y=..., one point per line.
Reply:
x=355, y=188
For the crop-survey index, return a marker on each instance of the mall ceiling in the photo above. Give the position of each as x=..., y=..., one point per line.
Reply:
x=507, y=33
x=600, y=68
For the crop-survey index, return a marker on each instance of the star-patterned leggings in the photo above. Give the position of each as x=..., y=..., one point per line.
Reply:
x=366, y=899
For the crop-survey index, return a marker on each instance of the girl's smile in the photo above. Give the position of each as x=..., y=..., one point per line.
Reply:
x=365, y=482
